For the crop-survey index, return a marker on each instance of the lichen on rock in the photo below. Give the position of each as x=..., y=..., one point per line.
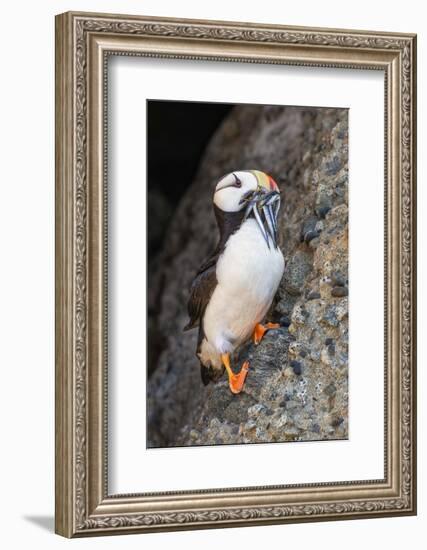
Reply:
x=297, y=386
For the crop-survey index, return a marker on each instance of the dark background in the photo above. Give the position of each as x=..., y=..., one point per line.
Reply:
x=177, y=135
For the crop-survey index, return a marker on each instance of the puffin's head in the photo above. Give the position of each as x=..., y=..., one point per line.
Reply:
x=233, y=189
x=256, y=193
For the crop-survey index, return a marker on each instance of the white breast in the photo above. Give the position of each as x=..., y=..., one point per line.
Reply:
x=248, y=274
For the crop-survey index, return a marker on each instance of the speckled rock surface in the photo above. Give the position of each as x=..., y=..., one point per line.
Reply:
x=297, y=386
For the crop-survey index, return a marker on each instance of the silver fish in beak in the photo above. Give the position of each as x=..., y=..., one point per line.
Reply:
x=264, y=204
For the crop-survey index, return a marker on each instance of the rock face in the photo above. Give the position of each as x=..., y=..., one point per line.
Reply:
x=297, y=386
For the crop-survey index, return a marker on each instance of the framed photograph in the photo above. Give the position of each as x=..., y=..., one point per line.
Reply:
x=235, y=274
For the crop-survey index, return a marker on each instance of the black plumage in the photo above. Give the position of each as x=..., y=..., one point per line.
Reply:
x=205, y=281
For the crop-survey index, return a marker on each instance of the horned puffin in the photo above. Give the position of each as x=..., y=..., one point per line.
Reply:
x=234, y=288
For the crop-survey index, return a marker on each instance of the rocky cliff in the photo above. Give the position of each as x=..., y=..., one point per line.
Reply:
x=297, y=386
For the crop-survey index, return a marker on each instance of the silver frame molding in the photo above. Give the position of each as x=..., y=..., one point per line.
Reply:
x=83, y=43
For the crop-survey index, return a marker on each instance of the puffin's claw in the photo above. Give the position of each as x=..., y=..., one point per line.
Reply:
x=235, y=381
x=260, y=330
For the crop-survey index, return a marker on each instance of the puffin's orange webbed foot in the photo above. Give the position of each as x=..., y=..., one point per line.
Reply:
x=260, y=330
x=235, y=381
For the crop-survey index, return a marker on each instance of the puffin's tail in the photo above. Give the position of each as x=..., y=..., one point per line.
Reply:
x=209, y=374
x=204, y=373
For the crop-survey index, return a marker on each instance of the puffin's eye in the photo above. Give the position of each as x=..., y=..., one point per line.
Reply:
x=237, y=183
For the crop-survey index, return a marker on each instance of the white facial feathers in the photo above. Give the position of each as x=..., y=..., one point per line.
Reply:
x=231, y=189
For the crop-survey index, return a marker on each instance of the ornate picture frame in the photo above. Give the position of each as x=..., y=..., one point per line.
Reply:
x=83, y=43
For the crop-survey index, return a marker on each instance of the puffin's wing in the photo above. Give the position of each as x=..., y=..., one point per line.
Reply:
x=201, y=291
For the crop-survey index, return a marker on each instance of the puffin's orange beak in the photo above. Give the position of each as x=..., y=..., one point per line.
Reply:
x=265, y=181
x=273, y=184
x=264, y=204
